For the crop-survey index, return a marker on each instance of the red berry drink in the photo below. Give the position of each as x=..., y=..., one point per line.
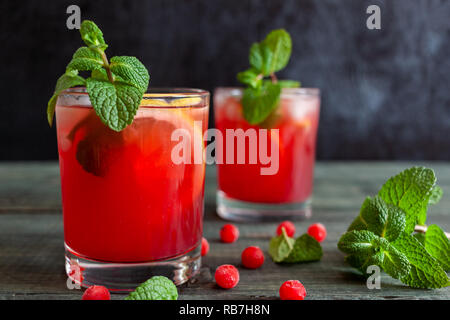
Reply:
x=244, y=192
x=125, y=201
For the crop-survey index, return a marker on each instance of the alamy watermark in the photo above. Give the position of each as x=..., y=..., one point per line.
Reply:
x=374, y=20
x=374, y=280
x=241, y=147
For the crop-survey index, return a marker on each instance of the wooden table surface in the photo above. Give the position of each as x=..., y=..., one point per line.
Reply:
x=32, y=253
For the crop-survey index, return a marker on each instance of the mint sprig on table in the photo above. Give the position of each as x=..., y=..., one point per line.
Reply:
x=289, y=250
x=383, y=233
x=261, y=97
x=115, y=88
x=156, y=288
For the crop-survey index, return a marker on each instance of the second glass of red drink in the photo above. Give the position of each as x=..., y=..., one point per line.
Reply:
x=245, y=192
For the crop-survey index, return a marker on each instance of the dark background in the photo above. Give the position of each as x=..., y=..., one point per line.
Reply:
x=385, y=92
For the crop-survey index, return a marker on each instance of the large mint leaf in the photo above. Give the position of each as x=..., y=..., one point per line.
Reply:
x=426, y=271
x=395, y=263
x=66, y=81
x=359, y=242
x=410, y=191
x=306, y=249
x=132, y=71
x=261, y=58
x=438, y=245
x=280, y=247
x=259, y=103
x=362, y=261
x=85, y=59
x=280, y=44
x=383, y=219
x=92, y=35
x=156, y=288
x=115, y=103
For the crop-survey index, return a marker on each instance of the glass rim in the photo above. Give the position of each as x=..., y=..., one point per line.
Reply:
x=302, y=91
x=153, y=96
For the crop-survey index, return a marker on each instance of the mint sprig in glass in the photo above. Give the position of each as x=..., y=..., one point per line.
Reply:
x=130, y=210
x=115, y=88
x=275, y=113
x=262, y=97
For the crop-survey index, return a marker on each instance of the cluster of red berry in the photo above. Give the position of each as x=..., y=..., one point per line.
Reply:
x=227, y=276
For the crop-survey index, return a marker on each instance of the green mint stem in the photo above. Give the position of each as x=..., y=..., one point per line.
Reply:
x=273, y=77
x=106, y=65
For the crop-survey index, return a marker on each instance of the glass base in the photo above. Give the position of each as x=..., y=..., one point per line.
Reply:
x=237, y=210
x=127, y=276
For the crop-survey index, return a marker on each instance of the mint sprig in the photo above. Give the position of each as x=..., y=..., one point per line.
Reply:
x=261, y=97
x=115, y=88
x=156, y=288
x=382, y=234
x=284, y=249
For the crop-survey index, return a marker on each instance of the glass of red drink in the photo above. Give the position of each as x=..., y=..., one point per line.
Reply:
x=244, y=193
x=129, y=211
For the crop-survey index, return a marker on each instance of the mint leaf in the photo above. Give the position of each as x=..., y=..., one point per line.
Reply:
x=365, y=248
x=280, y=44
x=425, y=271
x=395, y=263
x=280, y=247
x=259, y=103
x=115, y=103
x=261, y=58
x=420, y=237
x=436, y=195
x=289, y=84
x=361, y=262
x=156, y=288
x=361, y=242
x=131, y=70
x=85, y=59
x=92, y=35
x=410, y=191
x=250, y=78
x=438, y=245
x=306, y=249
x=66, y=81
x=382, y=219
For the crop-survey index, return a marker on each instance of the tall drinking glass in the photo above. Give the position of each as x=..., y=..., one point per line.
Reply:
x=247, y=191
x=130, y=211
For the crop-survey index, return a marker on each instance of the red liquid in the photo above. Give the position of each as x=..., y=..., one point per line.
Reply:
x=297, y=120
x=124, y=200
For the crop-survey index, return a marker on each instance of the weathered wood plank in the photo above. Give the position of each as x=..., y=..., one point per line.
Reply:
x=31, y=243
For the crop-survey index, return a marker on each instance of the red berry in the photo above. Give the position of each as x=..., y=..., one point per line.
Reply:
x=252, y=257
x=229, y=233
x=205, y=247
x=227, y=276
x=317, y=231
x=288, y=227
x=292, y=290
x=96, y=293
